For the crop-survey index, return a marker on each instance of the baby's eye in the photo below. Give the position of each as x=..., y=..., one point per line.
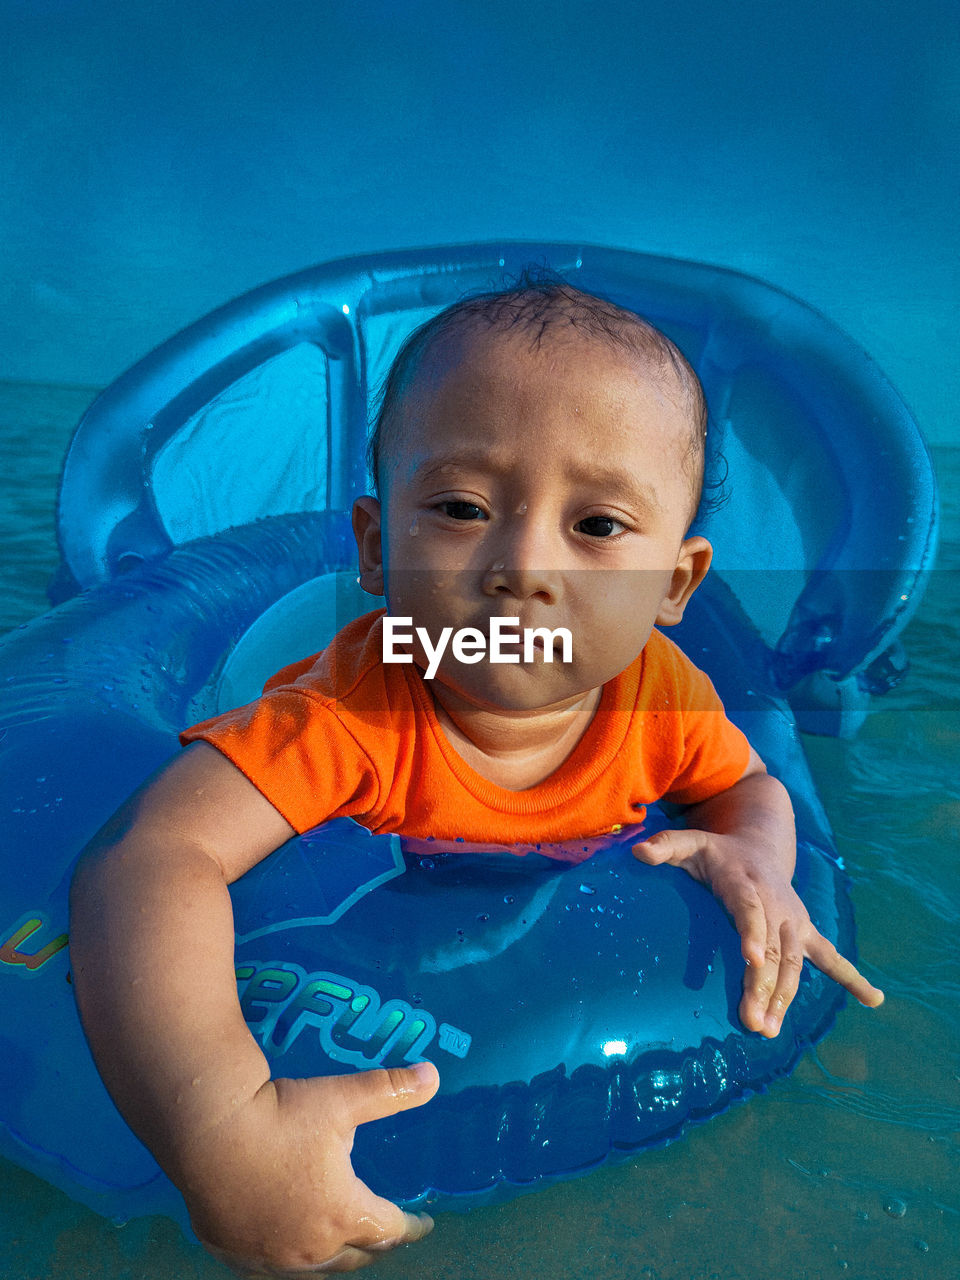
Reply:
x=457, y=509
x=599, y=526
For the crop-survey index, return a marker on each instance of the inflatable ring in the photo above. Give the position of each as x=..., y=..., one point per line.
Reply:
x=577, y=1011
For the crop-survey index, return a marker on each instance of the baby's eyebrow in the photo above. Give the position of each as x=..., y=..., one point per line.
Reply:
x=616, y=485
x=610, y=483
x=436, y=467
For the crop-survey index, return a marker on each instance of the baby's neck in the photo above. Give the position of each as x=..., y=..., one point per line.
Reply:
x=514, y=750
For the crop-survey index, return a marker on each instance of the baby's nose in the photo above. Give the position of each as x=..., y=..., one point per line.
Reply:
x=525, y=565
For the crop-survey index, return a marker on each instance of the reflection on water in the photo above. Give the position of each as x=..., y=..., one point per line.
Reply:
x=849, y=1167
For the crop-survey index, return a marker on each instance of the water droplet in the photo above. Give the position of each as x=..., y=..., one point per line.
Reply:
x=414, y=526
x=508, y=898
x=587, y=888
x=894, y=1207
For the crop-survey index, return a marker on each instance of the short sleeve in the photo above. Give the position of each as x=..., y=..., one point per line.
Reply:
x=298, y=754
x=712, y=753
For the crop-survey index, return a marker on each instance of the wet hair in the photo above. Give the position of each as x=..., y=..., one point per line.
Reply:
x=541, y=304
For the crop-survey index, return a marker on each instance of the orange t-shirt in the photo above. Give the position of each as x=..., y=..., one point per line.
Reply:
x=343, y=734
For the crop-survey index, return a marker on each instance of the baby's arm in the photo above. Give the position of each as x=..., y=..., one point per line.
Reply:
x=742, y=843
x=264, y=1166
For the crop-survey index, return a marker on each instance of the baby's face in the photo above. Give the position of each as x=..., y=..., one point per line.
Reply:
x=541, y=484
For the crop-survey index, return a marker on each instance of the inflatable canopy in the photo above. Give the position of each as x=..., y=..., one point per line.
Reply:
x=205, y=542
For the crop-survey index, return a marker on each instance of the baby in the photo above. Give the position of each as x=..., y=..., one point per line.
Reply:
x=539, y=456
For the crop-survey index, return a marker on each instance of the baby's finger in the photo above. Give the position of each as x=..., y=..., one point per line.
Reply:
x=759, y=984
x=382, y=1225
x=750, y=920
x=672, y=845
x=788, y=979
x=413, y=1227
x=387, y=1227
x=348, y=1258
x=828, y=960
x=371, y=1095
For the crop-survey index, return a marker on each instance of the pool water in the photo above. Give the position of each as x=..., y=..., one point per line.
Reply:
x=851, y=1167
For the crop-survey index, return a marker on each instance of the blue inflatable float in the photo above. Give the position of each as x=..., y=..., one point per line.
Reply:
x=203, y=546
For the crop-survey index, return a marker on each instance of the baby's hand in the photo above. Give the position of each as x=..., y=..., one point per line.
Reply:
x=271, y=1191
x=776, y=932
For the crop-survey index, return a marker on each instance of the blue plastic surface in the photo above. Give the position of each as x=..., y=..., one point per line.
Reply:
x=577, y=1013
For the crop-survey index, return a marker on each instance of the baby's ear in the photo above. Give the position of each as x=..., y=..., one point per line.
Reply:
x=366, y=530
x=692, y=565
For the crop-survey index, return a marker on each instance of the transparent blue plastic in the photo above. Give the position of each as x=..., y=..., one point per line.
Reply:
x=577, y=1013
